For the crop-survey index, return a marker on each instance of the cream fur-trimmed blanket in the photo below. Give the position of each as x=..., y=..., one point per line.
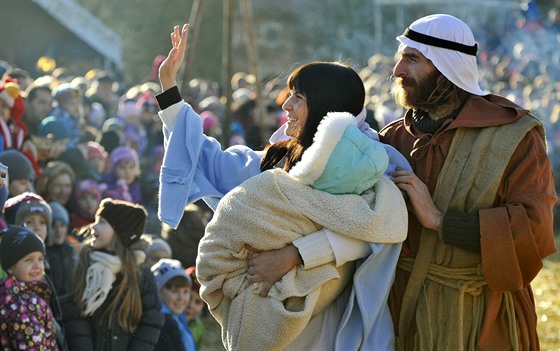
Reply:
x=267, y=212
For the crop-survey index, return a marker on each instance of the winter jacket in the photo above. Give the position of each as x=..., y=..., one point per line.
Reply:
x=93, y=333
x=62, y=263
x=170, y=337
x=26, y=320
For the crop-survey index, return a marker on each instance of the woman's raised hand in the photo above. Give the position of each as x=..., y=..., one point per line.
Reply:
x=170, y=66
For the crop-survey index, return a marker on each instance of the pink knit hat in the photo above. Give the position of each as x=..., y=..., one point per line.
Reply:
x=87, y=186
x=95, y=151
x=121, y=154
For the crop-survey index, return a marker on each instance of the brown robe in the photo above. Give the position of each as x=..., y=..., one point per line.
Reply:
x=516, y=234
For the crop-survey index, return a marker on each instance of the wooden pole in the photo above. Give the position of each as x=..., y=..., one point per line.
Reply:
x=251, y=47
x=194, y=20
x=227, y=62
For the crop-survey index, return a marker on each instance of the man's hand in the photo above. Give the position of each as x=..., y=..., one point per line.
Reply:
x=170, y=66
x=419, y=198
x=270, y=266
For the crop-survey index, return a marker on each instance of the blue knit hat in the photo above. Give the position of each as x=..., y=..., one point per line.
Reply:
x=59, y=213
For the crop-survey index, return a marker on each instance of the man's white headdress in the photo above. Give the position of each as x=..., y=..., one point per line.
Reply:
x=449, y=43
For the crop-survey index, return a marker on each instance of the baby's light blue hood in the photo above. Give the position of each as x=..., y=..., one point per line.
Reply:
x=342, y=159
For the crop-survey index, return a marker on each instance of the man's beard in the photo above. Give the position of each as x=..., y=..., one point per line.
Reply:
x=421, y=93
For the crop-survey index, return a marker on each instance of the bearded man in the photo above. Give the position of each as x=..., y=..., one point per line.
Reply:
x=481, y=197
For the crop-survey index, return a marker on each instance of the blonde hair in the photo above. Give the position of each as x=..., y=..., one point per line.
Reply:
x=52, y=170
x=127, y=304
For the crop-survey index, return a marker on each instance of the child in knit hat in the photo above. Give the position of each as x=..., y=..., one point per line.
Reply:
x=122, y=180
x=60, y=222
x=21, y=175
x=195, y=310
x=134, y=132
x=87, y=197
x=50, y=140
x=157, y=250
x=31, y=211
x=97, y=156
x=69, y=110
x=174, y=286
x=61, y=253
x=30, y=326
x=114, y=293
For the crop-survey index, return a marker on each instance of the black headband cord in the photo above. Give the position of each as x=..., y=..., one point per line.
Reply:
x=440, y=43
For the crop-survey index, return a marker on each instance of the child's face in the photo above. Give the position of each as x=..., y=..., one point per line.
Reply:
x=37, y=224
x=126, y=170
x=60, y=189
x=60, y=231
x=29, y=268
x=154, y=256
x=88, y=203
x=195, y=307
x=74, y=106
x=176, y=298
x=19, y=186
x=103, y=235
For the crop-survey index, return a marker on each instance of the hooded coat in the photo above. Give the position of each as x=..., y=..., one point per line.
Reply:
x=339, y=184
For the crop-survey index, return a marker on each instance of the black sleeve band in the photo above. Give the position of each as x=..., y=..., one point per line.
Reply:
x=462, y=230
x=169, y=97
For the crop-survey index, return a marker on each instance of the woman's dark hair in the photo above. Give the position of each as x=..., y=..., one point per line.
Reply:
x=327, y=87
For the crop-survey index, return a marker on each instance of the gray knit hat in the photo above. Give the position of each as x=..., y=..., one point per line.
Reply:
x=17, y=208
x=19, y=166
x=59, y=213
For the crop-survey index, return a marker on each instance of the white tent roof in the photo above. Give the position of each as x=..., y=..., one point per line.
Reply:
x=86, y=27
